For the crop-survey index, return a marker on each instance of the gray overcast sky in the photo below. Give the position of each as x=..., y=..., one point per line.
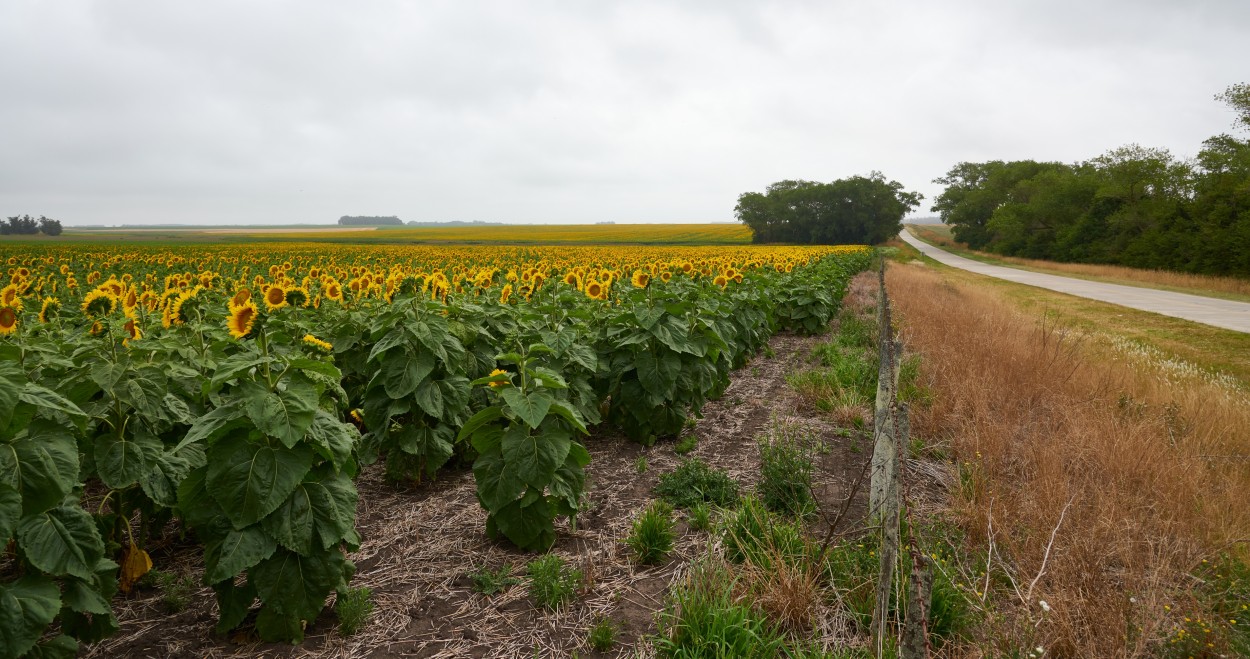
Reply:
x=240, y=111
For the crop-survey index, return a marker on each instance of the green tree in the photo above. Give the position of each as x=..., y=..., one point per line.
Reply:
x=1237, y=97
x=49, y=227
x=1133, y=205
x=860, y=209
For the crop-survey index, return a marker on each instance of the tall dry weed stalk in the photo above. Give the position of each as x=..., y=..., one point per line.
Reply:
x=1148, y=476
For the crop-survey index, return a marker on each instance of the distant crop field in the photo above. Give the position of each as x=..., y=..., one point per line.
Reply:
x=516, y=234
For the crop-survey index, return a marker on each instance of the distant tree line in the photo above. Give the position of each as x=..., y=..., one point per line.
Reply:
x=27, y=225
x=858, y=210
x=370, y=220
x=1133, y=206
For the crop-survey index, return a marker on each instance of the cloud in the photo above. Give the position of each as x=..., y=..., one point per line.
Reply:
x=280, y=112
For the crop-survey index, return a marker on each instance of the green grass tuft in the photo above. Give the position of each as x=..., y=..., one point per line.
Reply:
x=700, y=517
x=353, y=607
x=786, y=471
x=602, y=635
x=488, y=582
x=652, y=536
x=694, y=482
x=552, y=582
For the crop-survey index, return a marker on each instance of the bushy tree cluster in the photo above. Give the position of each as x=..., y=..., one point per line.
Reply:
x=858, y=210
x=1132, y=206
x=25, y=224
x=370, y=220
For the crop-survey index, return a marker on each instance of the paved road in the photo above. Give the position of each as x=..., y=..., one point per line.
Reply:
x=1211, y=311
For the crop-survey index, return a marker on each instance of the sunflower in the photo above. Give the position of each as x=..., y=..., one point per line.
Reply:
x=275, y=297
x=507, y=293
x=177, y=308
x=594, y=290
x=334, y=291
x=242, y=319
x=318, y=343
x=573, y=280
x=99, y=303
x=9, y=297
x=720, y=281
x=8, y=320
x=665, y=276
x=243, y=295
x=296, y=297
x=51, y=307
x=501, y=383
x=640, y=279
x=132, y=332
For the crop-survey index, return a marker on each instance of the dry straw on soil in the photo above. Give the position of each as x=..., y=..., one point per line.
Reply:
x=1099, y=483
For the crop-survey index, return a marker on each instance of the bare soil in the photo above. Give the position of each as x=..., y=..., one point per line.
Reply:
x=421, y=544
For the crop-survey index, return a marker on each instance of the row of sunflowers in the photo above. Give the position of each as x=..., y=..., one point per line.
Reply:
x=238, y=392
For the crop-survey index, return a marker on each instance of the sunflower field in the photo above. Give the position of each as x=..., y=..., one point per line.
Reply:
x=233, y=393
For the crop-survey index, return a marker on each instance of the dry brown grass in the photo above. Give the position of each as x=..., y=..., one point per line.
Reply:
x=1179, y=281
x=1149, y=475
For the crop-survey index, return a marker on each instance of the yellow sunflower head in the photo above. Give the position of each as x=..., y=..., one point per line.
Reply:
x=242, y=319
x=640, y=279
x=8, y=320
x=313, y=341
x=501, y=383
x=133, y=332
x=241, y=296
x=275, y=297
x=334, y=292
x=10, y=297
x=594, y=290
x=720, y=281
x=506, y=294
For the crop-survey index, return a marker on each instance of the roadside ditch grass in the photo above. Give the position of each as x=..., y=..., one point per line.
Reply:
x=1217, y=351
x=1099, y=504
x=1228, y=288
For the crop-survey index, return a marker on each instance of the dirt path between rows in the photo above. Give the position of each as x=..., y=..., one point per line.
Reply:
x=419, y=546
